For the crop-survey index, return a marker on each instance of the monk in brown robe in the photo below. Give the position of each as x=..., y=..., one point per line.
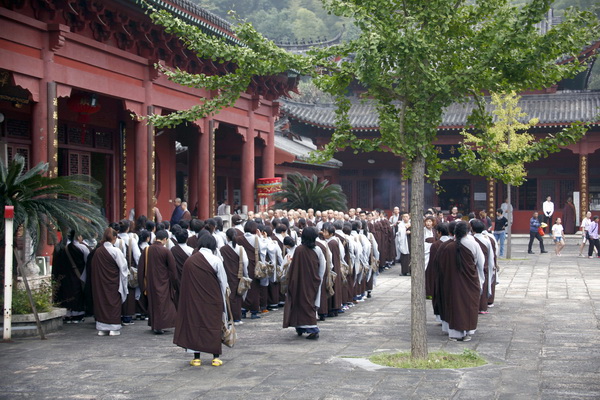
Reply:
x=335, y=301
x=109, y=284
x=568, y=218
x=201, y=312
x=305, y=277
x=431, y=271
x=231, y=254
x=460, y=280
x=158, y=280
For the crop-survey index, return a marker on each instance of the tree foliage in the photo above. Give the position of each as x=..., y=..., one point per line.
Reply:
x=303, y=192
x=281, y=20
x=414, y=59
x=501, y=148
x=63, y=202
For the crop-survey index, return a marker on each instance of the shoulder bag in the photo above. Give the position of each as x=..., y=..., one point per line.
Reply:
x=228, y=334
x=245, y=282
x=132, y=278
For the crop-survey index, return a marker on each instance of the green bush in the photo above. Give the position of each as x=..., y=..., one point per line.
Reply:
x=42, y=297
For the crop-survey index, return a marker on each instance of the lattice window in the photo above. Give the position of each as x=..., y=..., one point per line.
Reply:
x=62, y=133
x=547, y=188
x=347, y=188
x=73, y=163
x=75, y=136
x=85, y=164
x=18, y=128
x=364, y=195
x=79, y=163
x=104, y=140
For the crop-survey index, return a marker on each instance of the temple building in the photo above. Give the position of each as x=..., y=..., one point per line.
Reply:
x=75, y=75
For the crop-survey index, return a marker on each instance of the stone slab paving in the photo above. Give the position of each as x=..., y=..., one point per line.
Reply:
x=542, y=341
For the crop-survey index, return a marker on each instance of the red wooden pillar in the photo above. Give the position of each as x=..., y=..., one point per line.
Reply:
x=203, y=169
x=194, y=172
x=247, y=172
x=39, y=126
x=141, y=168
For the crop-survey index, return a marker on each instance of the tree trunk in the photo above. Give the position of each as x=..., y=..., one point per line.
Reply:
x=508, y=253
x=417, y=260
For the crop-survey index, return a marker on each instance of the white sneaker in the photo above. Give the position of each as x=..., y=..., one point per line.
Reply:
x=102, y=333
x=238, y=323
x=114, y=333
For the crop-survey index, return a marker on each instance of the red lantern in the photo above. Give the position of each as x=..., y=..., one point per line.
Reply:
x=85, y=105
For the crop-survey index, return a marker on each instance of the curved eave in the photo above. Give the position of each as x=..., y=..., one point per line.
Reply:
x=194, y=20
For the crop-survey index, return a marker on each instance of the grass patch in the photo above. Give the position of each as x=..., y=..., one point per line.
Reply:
x=436, y=360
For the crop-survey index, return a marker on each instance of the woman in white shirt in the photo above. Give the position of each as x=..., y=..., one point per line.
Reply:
x=585, y=223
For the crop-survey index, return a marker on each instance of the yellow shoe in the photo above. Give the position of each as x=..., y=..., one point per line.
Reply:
x=196, y=362
x=216, y=362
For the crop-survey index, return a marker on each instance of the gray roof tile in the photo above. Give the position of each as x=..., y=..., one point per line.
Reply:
x=561, y=108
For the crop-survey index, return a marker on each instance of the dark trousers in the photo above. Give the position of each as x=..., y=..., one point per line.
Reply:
x=548, y=220
x=594, y=243
x=535, y=235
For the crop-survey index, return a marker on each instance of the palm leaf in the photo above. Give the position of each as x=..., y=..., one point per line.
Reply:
x=54, y=203
x=300, y=191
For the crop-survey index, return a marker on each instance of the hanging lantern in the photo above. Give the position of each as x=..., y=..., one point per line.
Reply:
x=85, y=105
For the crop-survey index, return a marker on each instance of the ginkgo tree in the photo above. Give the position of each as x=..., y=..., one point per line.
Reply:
x=413, y=59
x=501, y=143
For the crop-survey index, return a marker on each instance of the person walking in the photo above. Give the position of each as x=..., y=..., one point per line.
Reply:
x=500, y=225
x=558, y=235
x=585, y=223
x=534, y=224
x=593, y=237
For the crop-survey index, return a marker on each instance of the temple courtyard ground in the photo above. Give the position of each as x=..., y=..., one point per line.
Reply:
x=542, y=341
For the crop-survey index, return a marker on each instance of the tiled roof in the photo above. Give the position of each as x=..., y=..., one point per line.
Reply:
x=300, y=147
x=196, y=15
x=561, y=108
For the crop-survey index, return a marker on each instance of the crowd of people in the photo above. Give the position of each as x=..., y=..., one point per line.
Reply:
x=314, y=265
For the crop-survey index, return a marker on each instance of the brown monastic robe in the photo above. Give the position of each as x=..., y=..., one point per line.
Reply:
x=303, y=284
x=252, y=302
x=335, y=301
x=458, y=287
x=106, y=278
x=431, y=274
x=159, y=281
x=200, y=315
x=231, y=262
x=180, y=257
x=568, y=219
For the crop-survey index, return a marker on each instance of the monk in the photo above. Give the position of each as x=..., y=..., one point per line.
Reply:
x=305, y=277
x=109, y=284
x=157, y=275
x=202, y=306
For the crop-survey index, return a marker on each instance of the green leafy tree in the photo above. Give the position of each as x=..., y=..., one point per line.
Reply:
x=413, y=58
x=502, y=144
x=303, y=192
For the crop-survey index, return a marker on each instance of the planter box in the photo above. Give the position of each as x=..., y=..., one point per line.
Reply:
x=23, y=325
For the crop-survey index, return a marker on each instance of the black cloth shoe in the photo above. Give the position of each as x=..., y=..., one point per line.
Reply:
x=530, y=252
x=543, y=251
x=313, y=336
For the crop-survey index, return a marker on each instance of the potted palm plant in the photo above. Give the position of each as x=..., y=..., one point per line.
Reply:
x=44, y=204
